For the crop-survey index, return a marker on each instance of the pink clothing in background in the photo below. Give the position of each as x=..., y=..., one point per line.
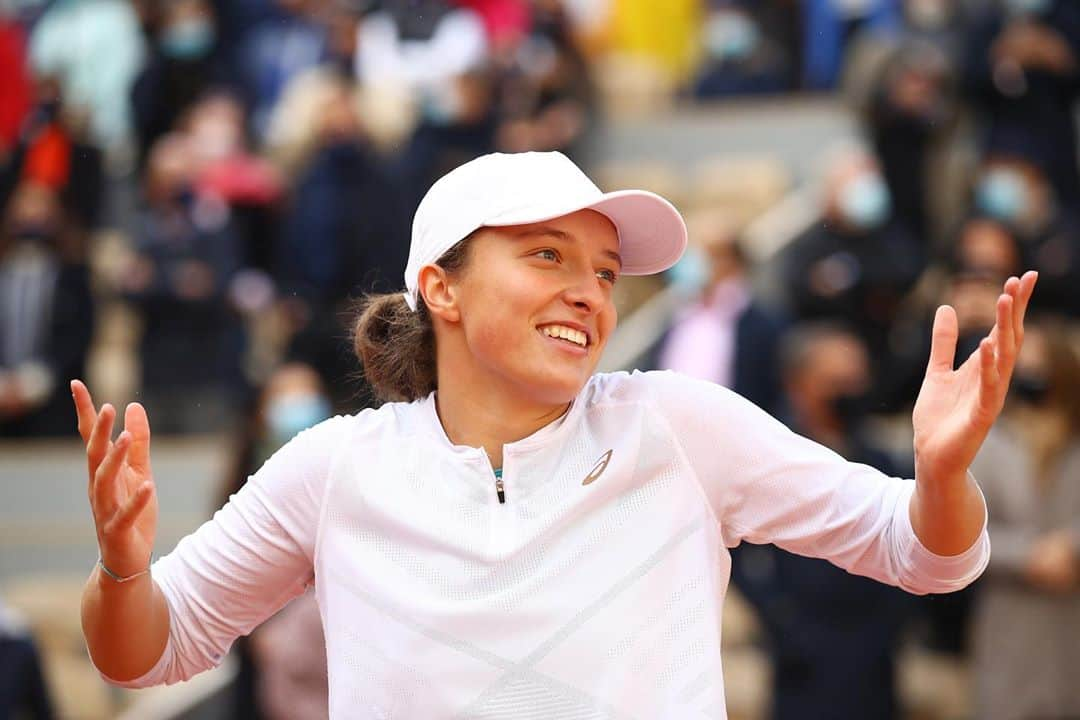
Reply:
x=701, y=343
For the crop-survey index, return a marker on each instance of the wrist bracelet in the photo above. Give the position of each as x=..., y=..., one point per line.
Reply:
x=119, y=578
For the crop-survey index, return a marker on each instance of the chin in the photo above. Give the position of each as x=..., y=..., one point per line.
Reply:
x=558, y=389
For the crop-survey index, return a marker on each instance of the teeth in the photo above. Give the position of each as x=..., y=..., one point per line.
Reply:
x=565, y=333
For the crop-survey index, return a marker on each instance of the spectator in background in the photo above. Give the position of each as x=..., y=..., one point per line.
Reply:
x=1022, y=70
x=983, y=253
x=225, y=167
x=1014, y=190
x=722, y=335
x=741, y=56
x=436, y=52
x=544, y=94
x=343, y=234
x=94, y=48
x=183, y=63
x=832, y=636
x=186, y=254
x=52, y=150
x=1027, y=616
x=282, y=674
x=46, y=314
x=857, y=263
x=23, y=692
x=909, y=109
x=275, y=52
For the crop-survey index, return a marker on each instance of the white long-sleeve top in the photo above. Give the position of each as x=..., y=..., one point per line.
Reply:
x=593, y=591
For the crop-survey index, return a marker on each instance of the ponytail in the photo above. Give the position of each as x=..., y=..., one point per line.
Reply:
x=395, y=344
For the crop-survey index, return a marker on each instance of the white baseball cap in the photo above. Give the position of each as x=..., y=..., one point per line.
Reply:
x=520, y=188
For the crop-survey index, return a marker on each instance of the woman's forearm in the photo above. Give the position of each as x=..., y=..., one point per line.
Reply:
x=126, y=625
x=947, y=514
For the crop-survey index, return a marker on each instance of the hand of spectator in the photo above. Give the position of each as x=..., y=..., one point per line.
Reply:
x=955, y=408
x=1053, y=564
x=121, y=489
x=1033, y=46
x=12, y=402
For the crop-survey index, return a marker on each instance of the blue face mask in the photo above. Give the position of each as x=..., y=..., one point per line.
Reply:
x=731, y=36
x=289, y=415
x=1028, y=7
x=187, y=40
x=1002, y=195
x=865, y=202
x=691, y=274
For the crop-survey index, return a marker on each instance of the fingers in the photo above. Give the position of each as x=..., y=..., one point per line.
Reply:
x=1023, y=296
x=1004, y=342
x=137, y=423
x=126, y=516
x=105, y=495
x=943, y=340
x=100, y=434
x=84, y=409
x=988, y=373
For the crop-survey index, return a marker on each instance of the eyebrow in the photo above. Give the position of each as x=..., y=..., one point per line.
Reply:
x=564, y=236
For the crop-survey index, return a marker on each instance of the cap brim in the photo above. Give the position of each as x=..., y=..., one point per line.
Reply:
x=652, y=233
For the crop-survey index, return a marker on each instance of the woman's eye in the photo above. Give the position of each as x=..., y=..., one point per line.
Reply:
x=608, y=275
x=547, y=254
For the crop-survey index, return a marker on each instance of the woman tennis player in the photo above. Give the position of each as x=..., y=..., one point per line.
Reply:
x=517, y=537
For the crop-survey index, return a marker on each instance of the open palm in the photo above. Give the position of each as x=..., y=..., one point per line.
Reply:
x=121, y=485
x=956, y=408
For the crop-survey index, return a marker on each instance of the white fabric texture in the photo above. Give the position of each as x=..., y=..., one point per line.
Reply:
x=571, y=600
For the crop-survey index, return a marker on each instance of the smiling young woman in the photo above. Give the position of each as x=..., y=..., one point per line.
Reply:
x=516, y=536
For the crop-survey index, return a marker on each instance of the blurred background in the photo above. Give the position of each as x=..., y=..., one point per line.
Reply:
x=193, y=192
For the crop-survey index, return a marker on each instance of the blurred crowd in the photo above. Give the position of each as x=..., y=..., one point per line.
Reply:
x=228, y=176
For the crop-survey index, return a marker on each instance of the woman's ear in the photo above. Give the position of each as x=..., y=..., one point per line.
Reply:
x=438, y=294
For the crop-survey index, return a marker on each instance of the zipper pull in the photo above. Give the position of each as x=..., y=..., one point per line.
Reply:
x=499, y=489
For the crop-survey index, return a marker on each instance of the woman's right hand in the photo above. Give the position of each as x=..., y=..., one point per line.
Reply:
x=121, y=485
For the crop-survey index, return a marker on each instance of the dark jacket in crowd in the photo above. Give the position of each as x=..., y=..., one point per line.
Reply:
x=832, y=635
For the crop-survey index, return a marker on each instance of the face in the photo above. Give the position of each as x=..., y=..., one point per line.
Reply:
x=837, y=366
x=532, y=309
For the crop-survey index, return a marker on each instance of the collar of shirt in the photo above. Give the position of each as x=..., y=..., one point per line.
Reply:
x=521, y=459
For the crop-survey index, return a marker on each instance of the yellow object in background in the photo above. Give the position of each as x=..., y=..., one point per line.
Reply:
x=667, y=32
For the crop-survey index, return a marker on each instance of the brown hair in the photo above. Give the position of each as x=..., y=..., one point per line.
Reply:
x=395, y=345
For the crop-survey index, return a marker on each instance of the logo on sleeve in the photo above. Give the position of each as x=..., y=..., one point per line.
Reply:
x=598, y=469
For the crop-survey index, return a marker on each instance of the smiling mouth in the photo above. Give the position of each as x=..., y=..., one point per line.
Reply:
x=566, y=334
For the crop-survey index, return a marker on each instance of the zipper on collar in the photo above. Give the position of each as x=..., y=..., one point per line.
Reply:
x=500, y=490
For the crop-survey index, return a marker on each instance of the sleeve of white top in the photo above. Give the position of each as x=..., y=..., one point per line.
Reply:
x=767, y=484
x=245, y=563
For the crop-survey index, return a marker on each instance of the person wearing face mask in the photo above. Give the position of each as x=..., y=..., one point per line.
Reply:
x=282, y=664
x=856, y=263
x=1013, y=190
x=1022, y=71
x=186, y=253
x=182, y=66
x=741, y=57
x=1027, y=614
x=832, y=636
x=723, y=334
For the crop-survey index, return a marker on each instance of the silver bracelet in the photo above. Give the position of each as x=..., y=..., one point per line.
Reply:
x=119, y=578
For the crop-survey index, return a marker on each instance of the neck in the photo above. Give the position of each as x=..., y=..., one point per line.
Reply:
x=488, y=419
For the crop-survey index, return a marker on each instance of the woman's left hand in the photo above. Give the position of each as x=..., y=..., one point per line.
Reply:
x=955, y=408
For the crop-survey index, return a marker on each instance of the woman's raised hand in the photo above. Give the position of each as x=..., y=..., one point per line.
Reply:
x=955, y=408
x=121, y=486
